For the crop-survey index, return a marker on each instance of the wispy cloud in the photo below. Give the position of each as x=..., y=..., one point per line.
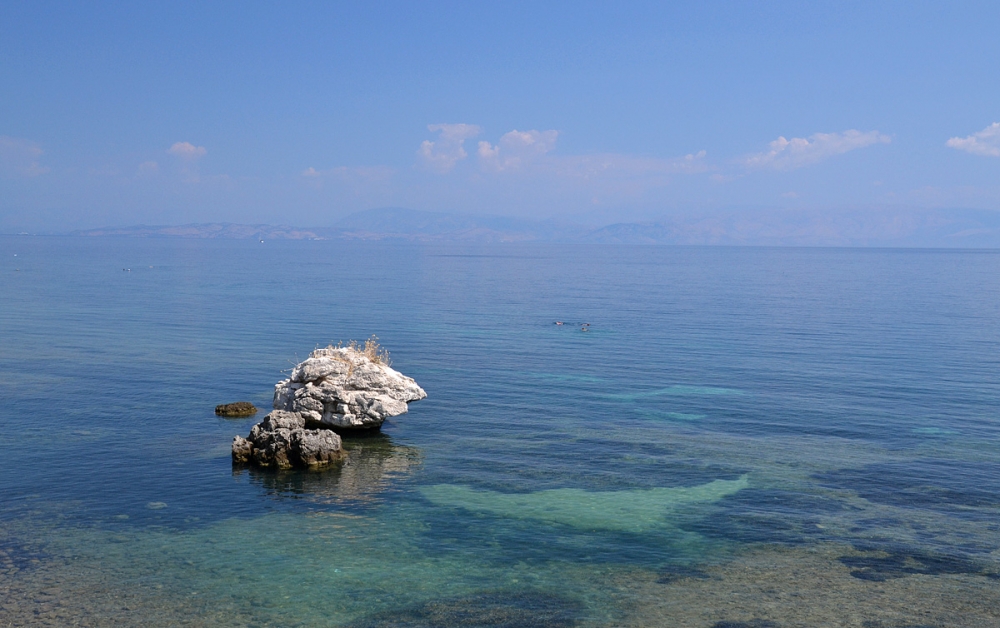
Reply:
x=19, y=158
x=516, y=149
x=530, y=152
x=187, y=150
x=188, y=154
x=985, y=142
x=617, y=165
x=448, y=149
x=348, y=174
x=526, y=162
x=147, y=168
x=785, y=154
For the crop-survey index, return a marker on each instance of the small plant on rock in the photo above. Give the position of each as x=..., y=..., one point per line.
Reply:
x=371, y=350
x=376, y=353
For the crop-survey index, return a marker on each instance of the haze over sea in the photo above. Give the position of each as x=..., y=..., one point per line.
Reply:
x=745, y=436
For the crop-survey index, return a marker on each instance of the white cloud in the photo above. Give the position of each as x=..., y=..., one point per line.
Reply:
x=189, y=154
x=528, y=152
x=148, y=168
x=802, y=151
x=187, y=150
x=526, y=162
x=448, y=149
x=19, y=158
x=515, y=149
x=985, y=142
x=530, y=155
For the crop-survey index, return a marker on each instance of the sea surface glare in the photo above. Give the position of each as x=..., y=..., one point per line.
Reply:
x=745, y=437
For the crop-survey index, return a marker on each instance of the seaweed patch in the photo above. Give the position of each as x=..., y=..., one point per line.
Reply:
x=506, y=609
x=16, y=556
x=882, y=565
x=952, y=487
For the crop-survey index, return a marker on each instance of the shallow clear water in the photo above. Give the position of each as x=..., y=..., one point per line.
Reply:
x=745, y=436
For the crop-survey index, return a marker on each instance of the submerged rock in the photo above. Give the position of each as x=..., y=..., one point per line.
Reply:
x=238, y=409
x=337, y=388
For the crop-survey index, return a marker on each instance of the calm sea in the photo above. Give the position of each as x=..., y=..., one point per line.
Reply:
x=745, y=437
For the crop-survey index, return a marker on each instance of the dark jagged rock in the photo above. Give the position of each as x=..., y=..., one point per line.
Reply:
x=238, y=409
x=282, y=441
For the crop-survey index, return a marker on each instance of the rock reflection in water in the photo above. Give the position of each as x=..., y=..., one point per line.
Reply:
x=371, y=466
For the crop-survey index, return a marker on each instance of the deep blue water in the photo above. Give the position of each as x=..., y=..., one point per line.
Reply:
x=834, y=402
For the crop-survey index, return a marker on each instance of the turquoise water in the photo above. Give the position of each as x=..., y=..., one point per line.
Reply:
x=745, y=436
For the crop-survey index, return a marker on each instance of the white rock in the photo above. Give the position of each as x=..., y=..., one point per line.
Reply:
x=342, y=388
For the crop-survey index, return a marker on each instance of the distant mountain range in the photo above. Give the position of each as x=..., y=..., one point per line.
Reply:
x=394, y=223
x=875, y=227
x=878, y=227
x=229, y=231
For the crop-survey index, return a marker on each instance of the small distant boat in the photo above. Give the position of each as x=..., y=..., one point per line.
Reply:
x=560, y=323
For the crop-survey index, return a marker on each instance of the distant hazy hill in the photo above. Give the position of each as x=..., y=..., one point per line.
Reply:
x=935, y=228
x=876, y=227
x=210, y=230
x=426, y=226
x=389, y=223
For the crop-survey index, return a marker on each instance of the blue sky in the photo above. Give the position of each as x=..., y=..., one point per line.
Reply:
x=300, y=113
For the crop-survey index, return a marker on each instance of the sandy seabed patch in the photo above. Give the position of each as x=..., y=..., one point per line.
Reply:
x=767, y=587
x=779, y=587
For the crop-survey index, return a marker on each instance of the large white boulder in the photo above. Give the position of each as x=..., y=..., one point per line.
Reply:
x=344, y=388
